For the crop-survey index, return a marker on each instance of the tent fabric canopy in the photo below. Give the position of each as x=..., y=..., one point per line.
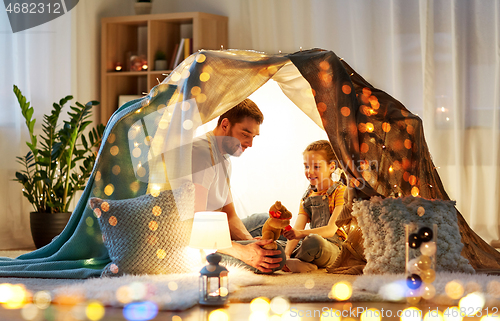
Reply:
x=146, y=148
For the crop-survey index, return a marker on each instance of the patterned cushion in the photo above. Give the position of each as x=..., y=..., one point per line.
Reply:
x=383, y=221
x=146, y=235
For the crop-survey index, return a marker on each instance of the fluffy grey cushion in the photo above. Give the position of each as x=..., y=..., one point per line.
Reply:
x=146, y=235
x=383, y=221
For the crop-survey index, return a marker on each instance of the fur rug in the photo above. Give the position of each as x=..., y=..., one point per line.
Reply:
x=391, y=287
x=180, y=291
x=169, y=291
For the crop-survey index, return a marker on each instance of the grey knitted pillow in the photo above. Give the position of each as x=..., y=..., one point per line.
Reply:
x=383, y=221
x=147, y=234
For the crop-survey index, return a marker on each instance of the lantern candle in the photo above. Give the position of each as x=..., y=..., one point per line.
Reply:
x=211, y=232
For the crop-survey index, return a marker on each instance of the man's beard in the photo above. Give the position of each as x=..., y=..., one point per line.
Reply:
x=231, y=145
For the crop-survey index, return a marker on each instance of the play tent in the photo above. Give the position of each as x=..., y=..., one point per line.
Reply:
x=146, y=150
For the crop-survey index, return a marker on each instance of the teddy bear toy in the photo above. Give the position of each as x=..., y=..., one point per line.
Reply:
x=279, y=219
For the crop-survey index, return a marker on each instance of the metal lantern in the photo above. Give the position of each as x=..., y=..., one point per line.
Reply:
x=213, y=282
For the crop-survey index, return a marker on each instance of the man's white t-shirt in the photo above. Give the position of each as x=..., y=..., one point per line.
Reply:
x=212, y=170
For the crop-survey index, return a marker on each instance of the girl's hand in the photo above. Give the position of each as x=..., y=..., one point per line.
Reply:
x=293, y=234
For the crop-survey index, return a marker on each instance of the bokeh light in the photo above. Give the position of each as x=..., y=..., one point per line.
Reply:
x=342, y=290
x=205, y=76
x=452, y=314
x=393, y=291
x=434, y=315
x=108, y=190
x=275, y=317
x=279, y=305
x=140, y=311
x=95, y=311
x=493, y=289
x=114, y=150
x=371, y=314
x=472, y=303
x=12, y=296
x=309, y=284
x=124, y=294
x=260, y=304
x=153, y=225
x=411, y=314
x=42, y=299
x=173, y=286
x=454, y=289
x=112, y=221
x=218, y=315
x=30, y=312
x=138, y=290
x=472, y=287
x=187, y=124
x=200, y=58
x=258, y=316
x=331, y=315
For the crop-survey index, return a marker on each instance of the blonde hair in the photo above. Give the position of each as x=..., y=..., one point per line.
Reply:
x=322, y=145
x=325, y=146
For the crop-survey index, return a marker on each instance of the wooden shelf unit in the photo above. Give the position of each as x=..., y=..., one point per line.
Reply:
x=145, y=35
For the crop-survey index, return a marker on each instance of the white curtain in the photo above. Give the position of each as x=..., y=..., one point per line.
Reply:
x=441, y=59
x=38, y=61
x=47, y=62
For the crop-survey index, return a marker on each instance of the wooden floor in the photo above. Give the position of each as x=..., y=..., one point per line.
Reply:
x=241, y=312
x=350, y=311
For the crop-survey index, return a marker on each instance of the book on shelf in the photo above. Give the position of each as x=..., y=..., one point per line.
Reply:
x=172, y=59
x=183, y=50
x=180, y=53
x=187, y=47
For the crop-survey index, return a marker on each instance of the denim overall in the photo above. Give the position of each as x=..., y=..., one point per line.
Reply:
x=313, y=248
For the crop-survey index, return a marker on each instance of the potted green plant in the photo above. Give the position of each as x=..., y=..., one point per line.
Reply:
x=59, y=162
x=160, y=60
x=143, y=6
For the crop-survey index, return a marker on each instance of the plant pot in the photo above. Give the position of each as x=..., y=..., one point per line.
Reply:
x=46, y=226
x=160, y=65
x=142, y=7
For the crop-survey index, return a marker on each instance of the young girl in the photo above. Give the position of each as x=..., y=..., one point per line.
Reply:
x=322, y=203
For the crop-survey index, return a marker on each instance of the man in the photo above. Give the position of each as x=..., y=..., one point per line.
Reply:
x=234, y=133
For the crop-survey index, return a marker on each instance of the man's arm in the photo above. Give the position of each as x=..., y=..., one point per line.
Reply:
x=238, y=230
x=254, y=255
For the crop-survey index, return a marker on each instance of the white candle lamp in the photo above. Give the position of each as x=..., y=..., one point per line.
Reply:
x=211, y=232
